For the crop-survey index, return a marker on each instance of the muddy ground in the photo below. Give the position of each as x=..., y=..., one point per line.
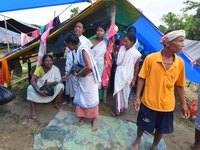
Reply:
x=17, y=133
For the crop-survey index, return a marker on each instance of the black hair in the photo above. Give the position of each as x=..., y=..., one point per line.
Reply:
x=71, y=37
x=46, y=56
x=131, y=37
x=81, y=23
x=132, y=27
x=101, y=26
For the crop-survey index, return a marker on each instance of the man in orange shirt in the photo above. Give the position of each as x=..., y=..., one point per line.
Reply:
x=161, y=72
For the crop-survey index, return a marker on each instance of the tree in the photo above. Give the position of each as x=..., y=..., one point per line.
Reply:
x=191, y=5
x=162, y=28
x=74, y=11
x=172, y=21
x=190, y=23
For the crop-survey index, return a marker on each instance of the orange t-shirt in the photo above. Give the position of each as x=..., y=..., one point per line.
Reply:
x=159, y=83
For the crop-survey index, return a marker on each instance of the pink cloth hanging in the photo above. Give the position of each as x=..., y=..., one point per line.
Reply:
x=46, y=34
x=43, y=47
x=24, y=39
x=35, y=34
x=108, y=56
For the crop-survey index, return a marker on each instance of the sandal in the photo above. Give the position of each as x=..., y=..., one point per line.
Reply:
x=113, y=114
x=32, y=117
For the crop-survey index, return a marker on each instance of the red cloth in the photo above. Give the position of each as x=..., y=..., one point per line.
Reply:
x=87, y=112
x=108, y=63
x=35, y=34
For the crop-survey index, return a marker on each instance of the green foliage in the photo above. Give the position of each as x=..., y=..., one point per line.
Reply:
x=191, y=5
x=190, y=23
x=162, y=28
x=74, y=11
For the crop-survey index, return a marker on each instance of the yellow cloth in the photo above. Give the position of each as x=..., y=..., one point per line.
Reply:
x=159, y=83
x=39, y=72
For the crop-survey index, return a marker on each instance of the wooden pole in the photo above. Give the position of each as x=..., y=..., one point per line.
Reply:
x=112, y=19
x=113, y=12
x=6, y=34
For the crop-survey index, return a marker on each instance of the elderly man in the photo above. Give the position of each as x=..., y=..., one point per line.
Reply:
x=161, y=72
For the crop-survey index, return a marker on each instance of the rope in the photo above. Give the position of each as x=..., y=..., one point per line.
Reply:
x=14, y=27
x=64, y=10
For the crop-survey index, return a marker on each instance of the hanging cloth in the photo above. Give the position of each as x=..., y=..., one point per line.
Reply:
x=5, y=71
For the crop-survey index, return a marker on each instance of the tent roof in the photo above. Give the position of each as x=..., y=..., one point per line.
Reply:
x=99, y=13
x=18, y=26
x=12, y=5
x=192, y=49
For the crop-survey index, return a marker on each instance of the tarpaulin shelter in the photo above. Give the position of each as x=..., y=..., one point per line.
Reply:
x=150, y=36
x=18, y=26
x=99, y=12
x=12, y=5
x=12, y=37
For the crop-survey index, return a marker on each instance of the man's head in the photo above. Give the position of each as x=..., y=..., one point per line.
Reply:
x=174, y=40
x=79, y=28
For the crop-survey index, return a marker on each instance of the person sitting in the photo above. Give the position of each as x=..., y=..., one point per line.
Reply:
x=49, y=75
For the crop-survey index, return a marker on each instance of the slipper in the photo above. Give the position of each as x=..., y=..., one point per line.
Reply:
x=32, y=117
x=64, y=103
x=113, y=114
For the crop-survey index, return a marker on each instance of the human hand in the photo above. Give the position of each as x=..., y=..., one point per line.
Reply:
x=136, y=104
x=64, y=78
x=49, y=84
x=41, y=93
x=185, y=113
x=133, y=84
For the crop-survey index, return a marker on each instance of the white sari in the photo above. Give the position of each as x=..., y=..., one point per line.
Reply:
x=71, y=82
x=87, y=91
x=51, y=76
x=126, y=61
x=98, y=52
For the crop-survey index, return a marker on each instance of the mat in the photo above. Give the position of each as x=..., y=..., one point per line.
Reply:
x=62, y=133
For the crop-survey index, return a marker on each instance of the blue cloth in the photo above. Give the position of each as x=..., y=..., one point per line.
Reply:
x=24, y=4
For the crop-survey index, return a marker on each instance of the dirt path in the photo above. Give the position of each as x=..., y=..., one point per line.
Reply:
x=17, y=133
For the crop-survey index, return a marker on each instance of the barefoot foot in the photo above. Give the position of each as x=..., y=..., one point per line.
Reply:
x=94, y=125
x=80, y=122
x=135, y=145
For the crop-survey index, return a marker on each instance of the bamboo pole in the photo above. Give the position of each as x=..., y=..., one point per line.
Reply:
x=6, y=34
x=112, y=19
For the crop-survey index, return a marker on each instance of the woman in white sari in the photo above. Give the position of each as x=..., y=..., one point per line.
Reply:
x=99, y=50
x=71, y=82
x=86, y=97
x=126, y=74
x=49, y=75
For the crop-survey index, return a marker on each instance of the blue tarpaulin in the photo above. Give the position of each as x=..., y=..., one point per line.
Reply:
x=12, y=5
x=150, y=36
